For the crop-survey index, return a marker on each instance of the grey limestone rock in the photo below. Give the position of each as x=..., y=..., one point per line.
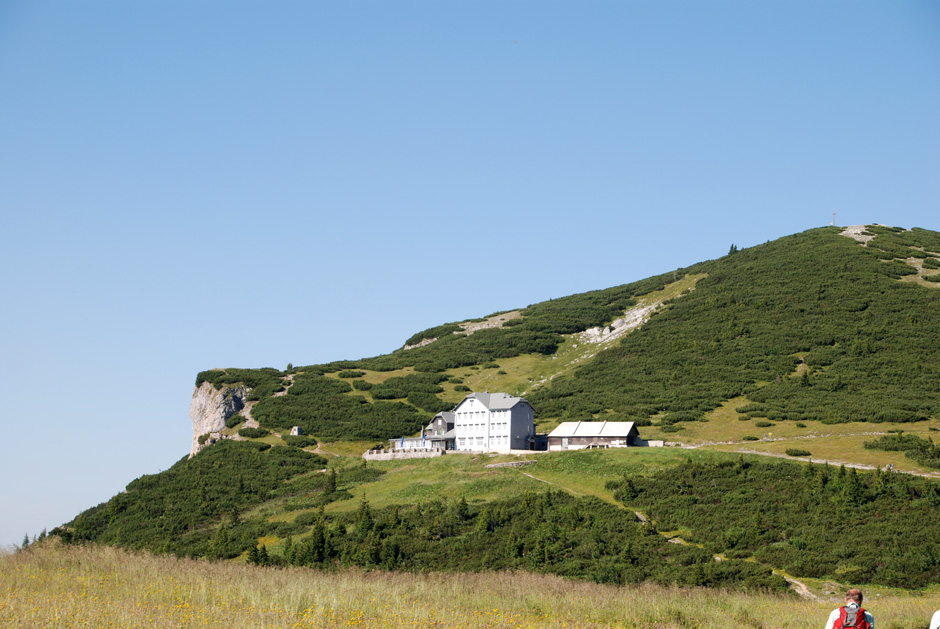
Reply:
x=211, y=407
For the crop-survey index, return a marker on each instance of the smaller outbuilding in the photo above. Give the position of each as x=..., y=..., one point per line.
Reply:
x=439, y=435
x=600, y=434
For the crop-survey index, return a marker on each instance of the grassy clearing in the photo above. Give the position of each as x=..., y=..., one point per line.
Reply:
x=59, y=586
x=843, y=443
x=452, y=476
x=582, y=473
x=585, y=472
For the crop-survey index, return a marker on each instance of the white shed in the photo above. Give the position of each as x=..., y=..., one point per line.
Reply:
x=599, y=434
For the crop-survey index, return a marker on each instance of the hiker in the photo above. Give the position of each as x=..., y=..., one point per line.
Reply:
x=935, y=621
x=851, y=614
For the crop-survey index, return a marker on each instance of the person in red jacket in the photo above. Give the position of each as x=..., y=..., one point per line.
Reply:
x=851, y=614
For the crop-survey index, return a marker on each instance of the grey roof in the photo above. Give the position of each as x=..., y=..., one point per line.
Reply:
x=447, y=416
x=593, y=429
x=497, y=401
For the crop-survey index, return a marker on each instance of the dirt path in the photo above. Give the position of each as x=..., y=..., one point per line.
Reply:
x=858, y=466
x=693, y=446
x=800, y=588
x=250, y=422
x=290, y=383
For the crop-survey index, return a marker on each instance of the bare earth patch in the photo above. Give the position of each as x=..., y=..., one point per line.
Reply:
x=855, y=232
x=492, y=322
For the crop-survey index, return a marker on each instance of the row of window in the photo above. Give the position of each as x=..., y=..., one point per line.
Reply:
x=469, y=442
x=495, y=426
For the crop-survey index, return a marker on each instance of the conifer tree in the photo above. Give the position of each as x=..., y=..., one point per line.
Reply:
x=331, y=482
x=364, y=521
x=289, y=549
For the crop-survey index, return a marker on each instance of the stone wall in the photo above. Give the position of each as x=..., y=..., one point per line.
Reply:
x=383, y=455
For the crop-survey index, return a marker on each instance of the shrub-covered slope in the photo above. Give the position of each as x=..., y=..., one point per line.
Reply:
x=810, y=520
x=192, y=508
x=267, y=506
x=866, y=341
x=871, y=342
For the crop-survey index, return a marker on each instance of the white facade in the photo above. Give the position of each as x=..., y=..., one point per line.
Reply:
x=493, y=422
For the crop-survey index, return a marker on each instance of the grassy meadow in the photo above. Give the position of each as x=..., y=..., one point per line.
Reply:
x=451, y=477
x=54, y=585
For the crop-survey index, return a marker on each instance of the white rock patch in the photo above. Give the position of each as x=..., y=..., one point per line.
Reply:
x=855, y=232
x=631, y=320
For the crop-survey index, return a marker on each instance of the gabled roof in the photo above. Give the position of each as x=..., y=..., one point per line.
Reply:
x=496, y=401
x=447, y=416
x=594, y=429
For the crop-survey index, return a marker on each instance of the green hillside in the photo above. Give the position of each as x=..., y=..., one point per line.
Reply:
x=827, y=345
x=869, y=341
x=860, y=323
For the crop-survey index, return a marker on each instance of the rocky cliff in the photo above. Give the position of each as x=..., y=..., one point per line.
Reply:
x=211, y=407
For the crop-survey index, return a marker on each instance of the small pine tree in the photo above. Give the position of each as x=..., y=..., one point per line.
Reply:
x=364, y=520
x=316, y=544
x=289, y=549
x=331, y=482
x=463, y=510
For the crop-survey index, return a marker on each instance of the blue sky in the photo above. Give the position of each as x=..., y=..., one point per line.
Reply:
x=188, y=185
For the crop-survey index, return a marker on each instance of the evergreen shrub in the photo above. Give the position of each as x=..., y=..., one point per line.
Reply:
x=300, y=441
x=351, y=373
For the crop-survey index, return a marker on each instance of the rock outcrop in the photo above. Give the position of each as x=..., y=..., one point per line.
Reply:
x=211, y=407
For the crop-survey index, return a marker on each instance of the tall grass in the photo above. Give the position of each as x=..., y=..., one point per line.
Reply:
x=53, y=585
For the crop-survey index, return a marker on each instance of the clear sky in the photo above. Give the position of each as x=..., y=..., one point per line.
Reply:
x=188, y=185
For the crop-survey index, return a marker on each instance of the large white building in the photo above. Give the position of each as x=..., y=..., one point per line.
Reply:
x=493, y=422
